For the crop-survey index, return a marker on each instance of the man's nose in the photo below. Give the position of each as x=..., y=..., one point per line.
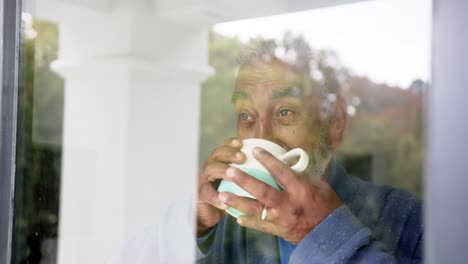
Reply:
x=265, y=130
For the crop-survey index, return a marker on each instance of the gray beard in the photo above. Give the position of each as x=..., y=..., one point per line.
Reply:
x=321, y=155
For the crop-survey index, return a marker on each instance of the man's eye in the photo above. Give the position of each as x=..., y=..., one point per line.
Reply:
x=284, y=112
x=244, y=116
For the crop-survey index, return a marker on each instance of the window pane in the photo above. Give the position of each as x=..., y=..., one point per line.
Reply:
x=346, y=84
x=127, y=110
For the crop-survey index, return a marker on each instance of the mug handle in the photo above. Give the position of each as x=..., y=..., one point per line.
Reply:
x=303, y=162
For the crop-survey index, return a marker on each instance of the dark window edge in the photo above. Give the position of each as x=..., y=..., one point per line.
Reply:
x=8, y=112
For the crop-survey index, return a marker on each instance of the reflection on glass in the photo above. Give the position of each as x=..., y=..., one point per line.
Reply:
x=110, y=135
x=39, y=147
x=383, y=141
x=364, y=139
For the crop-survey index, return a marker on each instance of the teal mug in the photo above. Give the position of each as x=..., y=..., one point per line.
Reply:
x=252, y=167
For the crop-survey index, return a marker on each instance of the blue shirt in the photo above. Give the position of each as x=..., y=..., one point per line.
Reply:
x=375, y=224
x=286, y=248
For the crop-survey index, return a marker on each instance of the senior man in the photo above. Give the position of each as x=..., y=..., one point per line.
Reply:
x=322, y=215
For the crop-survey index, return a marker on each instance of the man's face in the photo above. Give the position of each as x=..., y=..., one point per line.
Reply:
x=269, y=105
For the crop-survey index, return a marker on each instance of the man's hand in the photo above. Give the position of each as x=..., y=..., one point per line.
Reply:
x=291, y=213
x=209, y=208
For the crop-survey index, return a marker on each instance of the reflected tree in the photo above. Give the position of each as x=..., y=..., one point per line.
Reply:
x=39, y=137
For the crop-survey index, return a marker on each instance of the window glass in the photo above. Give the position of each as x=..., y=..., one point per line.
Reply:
x=381, y=64
x=132, y=114
x=346, y=84
x=39, y=146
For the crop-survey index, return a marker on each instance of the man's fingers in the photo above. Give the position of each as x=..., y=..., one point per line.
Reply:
x=263, y=192
x=244, y=204
x=282, y=173
x=249, y=206
x=209, y=195
x=233, y=142
x=215, y=171
x=258, y=224
x=228, y=154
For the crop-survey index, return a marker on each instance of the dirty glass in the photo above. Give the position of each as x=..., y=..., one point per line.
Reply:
x=354, y=80
x=128, y=111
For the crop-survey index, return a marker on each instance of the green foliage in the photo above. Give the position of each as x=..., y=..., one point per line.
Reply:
x=40, y=121
x=218, y=120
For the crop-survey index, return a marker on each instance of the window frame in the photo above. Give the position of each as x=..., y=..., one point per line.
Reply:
x=10, y=57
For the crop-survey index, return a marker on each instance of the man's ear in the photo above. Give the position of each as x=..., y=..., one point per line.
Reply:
x=338, y=123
